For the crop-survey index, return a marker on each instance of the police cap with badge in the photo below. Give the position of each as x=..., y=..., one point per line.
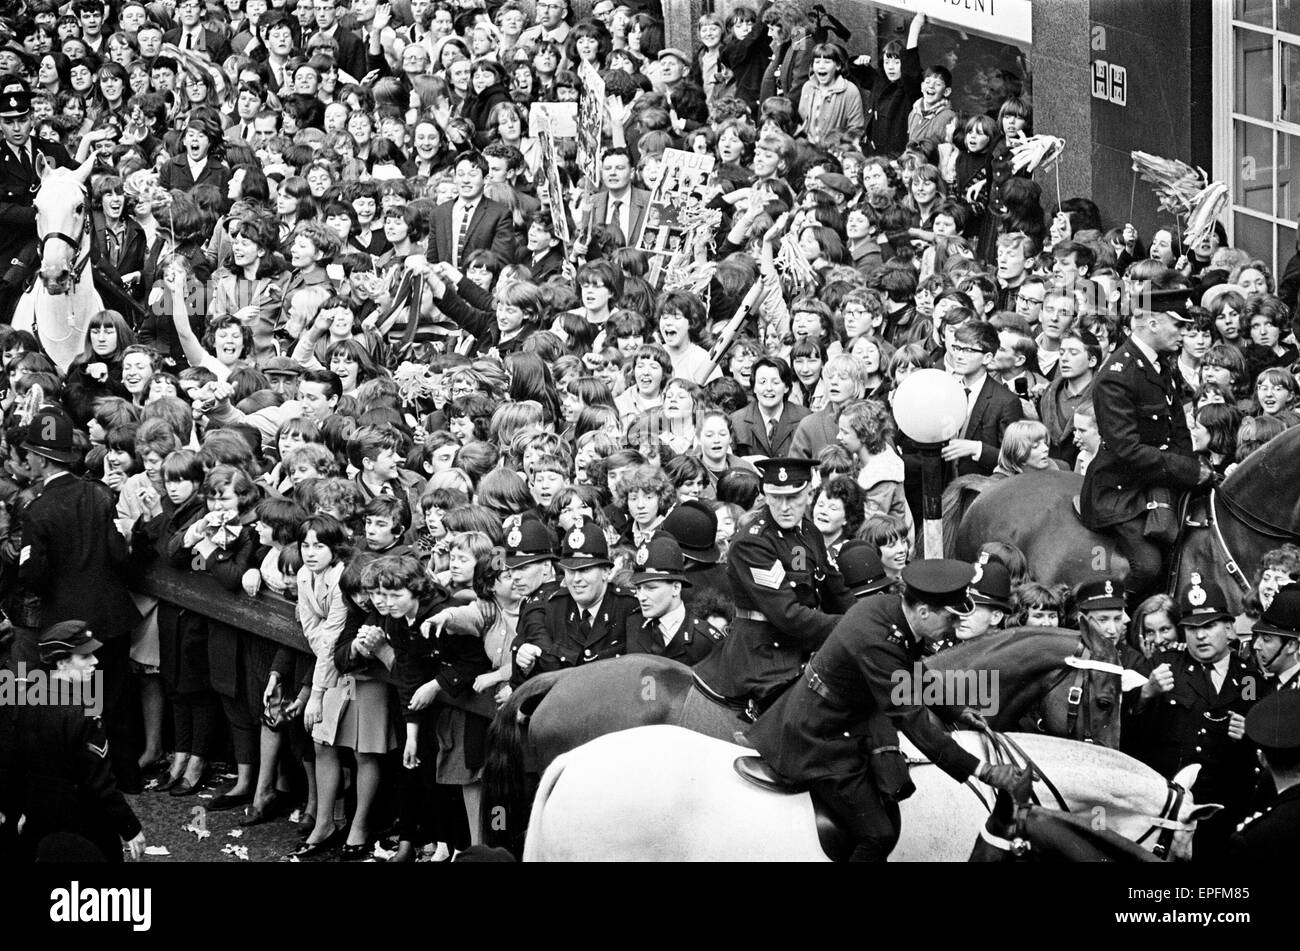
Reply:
x=1100, y=594
x=786, y=476
x=1282, y=618
x=584, y=546
x=660, y=559
x=528, y=540
x=991, y=585
x=1202, y=603
x=15, y=98
x=51, y=434
x=941, y=582
x=65, y=639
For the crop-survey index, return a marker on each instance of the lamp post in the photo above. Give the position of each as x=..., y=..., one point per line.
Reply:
x=930, y=408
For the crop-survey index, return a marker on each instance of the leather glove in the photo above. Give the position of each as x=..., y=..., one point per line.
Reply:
x=968, y=717
x=1001, y=776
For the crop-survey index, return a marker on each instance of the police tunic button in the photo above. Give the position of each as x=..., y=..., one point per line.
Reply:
x=775, y=644
x=1155, y=415
x=1198, y=749
x=846, y=734
x=1172, y=702
x=587, y=652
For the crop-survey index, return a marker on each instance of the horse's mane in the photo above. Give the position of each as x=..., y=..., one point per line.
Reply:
x=1032, y=648
x=1264, y=486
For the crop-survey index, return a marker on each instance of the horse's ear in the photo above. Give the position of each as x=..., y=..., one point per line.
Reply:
x=82, y=174
x=43, y=164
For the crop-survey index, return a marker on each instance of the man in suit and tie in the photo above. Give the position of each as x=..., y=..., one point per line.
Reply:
x=249, y=103
x=991, y=406
x=74, y=559
x=351, y=52
x=1145, y=444
x=19, y=182
x=471, y=222
x=552, y=24
x=618, y=203
x=191, y=35
x=765, y=427
x=276, y=35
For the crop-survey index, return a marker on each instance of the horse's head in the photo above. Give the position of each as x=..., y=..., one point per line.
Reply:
x=1085, y=703
x=1160, y=814
x=62, y=222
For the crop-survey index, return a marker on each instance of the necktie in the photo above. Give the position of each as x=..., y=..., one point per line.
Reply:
x=189, y=41
x=616, y=215
x=771, y=428
x=461, y=234
x=25, y=154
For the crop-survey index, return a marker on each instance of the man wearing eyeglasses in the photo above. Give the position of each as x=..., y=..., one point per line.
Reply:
x=552, y=24
x=991, y=406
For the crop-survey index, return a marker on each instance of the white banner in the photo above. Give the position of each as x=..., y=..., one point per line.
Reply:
x=1009, y=20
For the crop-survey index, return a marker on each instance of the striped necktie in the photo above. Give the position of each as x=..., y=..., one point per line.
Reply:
x=462, y=233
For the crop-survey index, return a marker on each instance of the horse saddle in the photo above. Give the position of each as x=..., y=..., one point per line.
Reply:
x=832, y=835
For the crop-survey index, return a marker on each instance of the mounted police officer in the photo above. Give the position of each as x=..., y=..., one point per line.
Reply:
x=789, y=595
x=1146, y=450
x=583, y=620
x=1198, y=714
x=666, y=625
x=21, y=158
x=54, y=762
x=835, y=731
x=1274, y=836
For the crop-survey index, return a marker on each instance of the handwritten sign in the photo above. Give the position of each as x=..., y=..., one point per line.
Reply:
x=1009, y=20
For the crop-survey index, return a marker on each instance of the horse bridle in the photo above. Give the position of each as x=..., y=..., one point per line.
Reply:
x=1229, y=561
x=1167, y=822
x=79, y=261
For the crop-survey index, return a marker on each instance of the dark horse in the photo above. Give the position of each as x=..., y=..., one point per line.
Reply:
x=1038, y=671
x=1223, y=535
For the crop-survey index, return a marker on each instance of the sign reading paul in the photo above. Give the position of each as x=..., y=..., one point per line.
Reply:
x=1006, y=20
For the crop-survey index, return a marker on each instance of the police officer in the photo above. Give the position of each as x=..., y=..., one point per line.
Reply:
x=990, y=594
x=1277, y=640
x=1198, y=714
x=666, y=625
x=863, y=571
x=836, y=729
x=1145, y=444
x=789, y=595
x=54, y=763
x=19, y=182
x=695, y=527
x=531, y=550
x=582, y=620
x=1274, y=836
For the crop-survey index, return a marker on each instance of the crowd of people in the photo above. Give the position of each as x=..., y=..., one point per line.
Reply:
x=359, y=353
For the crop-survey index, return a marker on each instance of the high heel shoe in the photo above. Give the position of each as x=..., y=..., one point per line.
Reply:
x=274, y=809
x=356, y=853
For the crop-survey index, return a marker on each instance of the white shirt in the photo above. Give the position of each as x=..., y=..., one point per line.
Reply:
x=671, y=623
x=196, y=169
x=1287, y=676
x=623, y=221
x=1153, y=358
x=1219, y=671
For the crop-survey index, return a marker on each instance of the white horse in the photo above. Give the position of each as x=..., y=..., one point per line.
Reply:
x=662, y=793
x=59, y=306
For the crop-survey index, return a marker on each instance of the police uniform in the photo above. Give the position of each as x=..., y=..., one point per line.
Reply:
x=1189, y=724
x=1145, y=444
x=54, y=760
x=788, y=593
x=695, y=638
x=836, y=729
x=19, y=182
x=1282, y=619
x=1273, y=835
x=567, y=635
x=695, y=527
